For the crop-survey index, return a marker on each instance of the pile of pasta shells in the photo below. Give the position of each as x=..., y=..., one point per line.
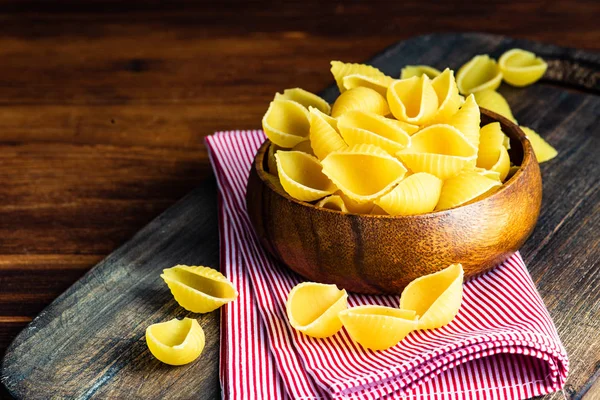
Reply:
x=404, y=146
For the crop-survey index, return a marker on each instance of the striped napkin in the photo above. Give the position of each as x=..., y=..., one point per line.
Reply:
x=502, y=344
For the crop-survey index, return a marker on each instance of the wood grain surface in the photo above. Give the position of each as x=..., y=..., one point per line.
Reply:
x=103, y=105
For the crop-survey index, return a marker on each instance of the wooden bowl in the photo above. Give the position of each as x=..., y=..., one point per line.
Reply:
x=379, y=254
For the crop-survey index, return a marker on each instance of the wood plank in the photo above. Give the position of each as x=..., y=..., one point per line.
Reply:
x=562, y=254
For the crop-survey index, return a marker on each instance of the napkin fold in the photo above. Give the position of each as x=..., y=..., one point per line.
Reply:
x=502, y=344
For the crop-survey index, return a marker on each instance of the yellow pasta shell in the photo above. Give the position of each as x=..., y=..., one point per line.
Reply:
x=363, y=172
x=417, y=70
x=441, y=139
x=490, y=142
x=378, y=83
x=333, y=202
x=410, y=129
x=313, y=308
x=447, y=93
x=324, y=136
x=286, y=123
x=521, y=68
x=378, y=327
x=436, y=297
x=440, y=165
x=413, y=100
x=304, y=147
x=494, y=101
x=488, y=173
x=479, y=73
x=340, y=70
x=359, y=127
x=360, y=98
x=199, y=289
x=502, y=166
x=542, y=149
x=306, y=98
x=416, y=194
x=467, y=120
x=463, y=188
x=176, y=342
x=271, y=162
x=301, y=176
x=354, y=206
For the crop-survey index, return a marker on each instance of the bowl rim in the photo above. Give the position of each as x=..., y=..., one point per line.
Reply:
x=529, y=159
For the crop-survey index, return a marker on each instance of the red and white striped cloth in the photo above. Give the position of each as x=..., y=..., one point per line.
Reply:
x=502, y=344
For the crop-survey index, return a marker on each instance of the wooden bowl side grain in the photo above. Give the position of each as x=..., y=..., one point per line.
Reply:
x=381, y=254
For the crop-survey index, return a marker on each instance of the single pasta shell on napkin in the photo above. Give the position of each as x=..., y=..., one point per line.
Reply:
x=354, y=206
x=479, y=73
x=440, y=150
x=463, y=188
x=448, y=98
x=286, y=123
x=417, y=70
x=306, y=98
x=358, y=127
x=493, y=101
x=271, y=162
x=502, y=166
x=413, y=100
x=313, y=308
x=491, y=139
x=378, y=327
x=176, y=342
x=199, y=289
x=542, y=149
x=324, y=135
x=521, y=68
x=360, y=98
x=467, y=120
x=301, y=176
x=304, y=147
x=436, y=297
x=416, y=194
x=333, y=202
x=379, y=84
x=363, y=172
x=340, y=70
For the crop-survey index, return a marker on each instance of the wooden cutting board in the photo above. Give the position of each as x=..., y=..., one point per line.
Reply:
x=89, y=343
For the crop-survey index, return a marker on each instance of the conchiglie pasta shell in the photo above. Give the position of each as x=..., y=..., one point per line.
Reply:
x=313, y=308
x=440, y=165
x=488, y=173
x=413, y=100
x=502, y=166
x=286, y=123
x=340, y=70
x=304, y=147
x=301, y=176
x=448, y=98
x=354, y=206
x=521, y=68
x=480, y=73
x=359, y=127
x=417, y=70
x=416, y=194
x=363, y=172
x=360, y=98
x=176, y=342
x=410, y=129
x=199, y=289
x=494, y=101
x=324, y=135
x=542, y=149
x=467, y=120
x=490, y=142
x=306, y=98
x=436, y=297
x=379, y=84
x=378, y=327
x=463, y=188
x=333, y=202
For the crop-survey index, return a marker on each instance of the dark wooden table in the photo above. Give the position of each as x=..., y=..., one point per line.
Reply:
x=103, y=106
